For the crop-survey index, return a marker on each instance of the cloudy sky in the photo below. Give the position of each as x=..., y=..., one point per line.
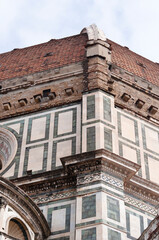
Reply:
x=131, y=23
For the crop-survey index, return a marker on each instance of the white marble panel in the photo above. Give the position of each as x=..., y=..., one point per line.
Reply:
x=153, y=169
x=58, y=220
x=15, y=127
x=10, y=172
x=63, y=149
x=134, y=226
x=127, y=128
x=152, y=139
x=65, y=122
x=35, y=158
x=129, y=153
x=38, y=128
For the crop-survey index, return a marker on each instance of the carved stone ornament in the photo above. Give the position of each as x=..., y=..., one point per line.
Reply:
x=25, y=207
x=94, y=33
x=85, y=168
x=3, y=202
x=8, y=147
x=152, y=231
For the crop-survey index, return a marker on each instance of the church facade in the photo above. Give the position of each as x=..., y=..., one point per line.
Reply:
x=79, y=141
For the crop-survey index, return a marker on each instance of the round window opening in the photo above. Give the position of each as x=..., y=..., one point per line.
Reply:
x=8, y=147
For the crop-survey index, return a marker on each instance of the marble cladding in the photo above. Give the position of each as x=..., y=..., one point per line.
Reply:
x=121, y=132
x=99, y=211
x=44, y=138
x=95, y=214
x=64, y=131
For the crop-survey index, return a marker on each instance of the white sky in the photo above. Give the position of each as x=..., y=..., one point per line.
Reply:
x=131, y=23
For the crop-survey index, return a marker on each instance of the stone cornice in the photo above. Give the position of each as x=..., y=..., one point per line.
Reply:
x=100, y=160
x=152, y=231
x=63, y=182
x=61, y=88
x=143, y=189
x=91, y=167
x=140, y=204
x=39, y=78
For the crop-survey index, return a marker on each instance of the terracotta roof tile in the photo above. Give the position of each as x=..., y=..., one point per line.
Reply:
x=57, y=53
x=41, y=57
x=134, y=63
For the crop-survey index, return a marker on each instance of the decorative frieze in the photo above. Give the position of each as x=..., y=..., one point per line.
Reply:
x=143, y=189
x=54, y=196
x=90, y=178
x=141, y=205
x=50, y=184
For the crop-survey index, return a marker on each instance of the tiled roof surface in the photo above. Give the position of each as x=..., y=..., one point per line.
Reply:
x=57, y=53
x=134, y=63
x=52, y=54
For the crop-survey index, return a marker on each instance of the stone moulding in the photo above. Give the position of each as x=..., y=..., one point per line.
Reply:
x=100, y=160
x=100, y=176
x=25, y=207
x=152, y=231
x=37, y=79
x=86, y=168
x=140, y=205
x=143, y=188
x=94, y=33
x=50, y=184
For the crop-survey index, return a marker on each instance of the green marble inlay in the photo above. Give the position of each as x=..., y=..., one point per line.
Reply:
x=136, y=142
x=147, y=169
x=54, y=151
x=128, y=223
x=90, y=107
x=108, y=139
x=98, y=121
x=113, y=235
x=67, y=220
x=45, y=153
x=113, y=209
x=84, y=224
x=91, y=141
x=56, y=122
x=121, y=144
x=107, y=109
x=89, y=206
x=89, y=234
x=16, y=159
x=46, y=128
x=144, y=138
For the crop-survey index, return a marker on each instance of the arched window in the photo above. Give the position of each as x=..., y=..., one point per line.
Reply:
x=18, y=230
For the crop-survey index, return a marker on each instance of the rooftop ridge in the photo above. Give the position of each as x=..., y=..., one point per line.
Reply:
x=39, y=44
x=56, y=53
x=128, y=49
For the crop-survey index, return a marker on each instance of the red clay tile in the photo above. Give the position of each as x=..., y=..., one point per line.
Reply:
x=20, y=62
x=134, y=63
